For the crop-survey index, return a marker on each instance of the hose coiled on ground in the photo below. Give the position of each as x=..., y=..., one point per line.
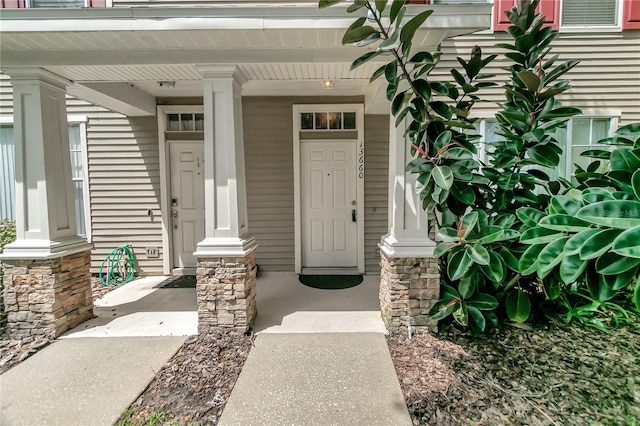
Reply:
x=119, y=266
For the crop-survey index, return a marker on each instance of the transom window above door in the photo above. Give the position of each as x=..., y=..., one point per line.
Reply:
x=184, y=122
x=328, y=120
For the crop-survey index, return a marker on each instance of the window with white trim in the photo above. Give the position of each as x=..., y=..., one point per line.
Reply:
x=589, y=13
x=579, y=135
x=79, y=175
x=57, y=3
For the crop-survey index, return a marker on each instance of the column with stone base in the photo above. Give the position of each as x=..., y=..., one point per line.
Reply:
x=409, y=278
x=226, y=270
x=226, y=292
x=46, y=269
x=47, y=297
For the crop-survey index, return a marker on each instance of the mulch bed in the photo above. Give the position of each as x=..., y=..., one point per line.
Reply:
x=194, y=386
x=554, y=375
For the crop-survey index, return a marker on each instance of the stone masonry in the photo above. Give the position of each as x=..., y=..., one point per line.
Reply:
x=409, y=287
x=47, y=297
x=226, y=292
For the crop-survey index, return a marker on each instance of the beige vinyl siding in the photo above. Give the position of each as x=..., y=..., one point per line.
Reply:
x=376, y=187
x=268, y=135
x=607, y=78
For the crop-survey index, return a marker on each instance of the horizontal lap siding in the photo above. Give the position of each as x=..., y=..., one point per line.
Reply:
x=608, y=76
x=376, y=187
x=124, y=184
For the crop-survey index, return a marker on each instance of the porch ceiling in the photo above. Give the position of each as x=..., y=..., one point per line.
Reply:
x=281, y=50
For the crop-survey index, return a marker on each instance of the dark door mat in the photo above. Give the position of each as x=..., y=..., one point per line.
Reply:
x=184, y=281
x=331, y=282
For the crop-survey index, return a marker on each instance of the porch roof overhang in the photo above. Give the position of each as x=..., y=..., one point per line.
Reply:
x=281, y=50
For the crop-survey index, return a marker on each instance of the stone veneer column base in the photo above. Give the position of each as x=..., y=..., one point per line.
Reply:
x=47, y=297
x=409, y=287
x=226, y=292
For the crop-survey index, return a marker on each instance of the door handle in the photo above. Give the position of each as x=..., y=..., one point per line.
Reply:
x=353, y=215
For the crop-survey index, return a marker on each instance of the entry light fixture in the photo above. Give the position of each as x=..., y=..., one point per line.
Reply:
x=327, y=84
x=167, y=83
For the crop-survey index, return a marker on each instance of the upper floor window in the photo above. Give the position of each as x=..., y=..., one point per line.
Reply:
x=590, y=13
x=20, y=4
x=577, y=15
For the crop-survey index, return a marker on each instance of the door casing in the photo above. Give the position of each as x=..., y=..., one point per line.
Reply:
x=360, y=167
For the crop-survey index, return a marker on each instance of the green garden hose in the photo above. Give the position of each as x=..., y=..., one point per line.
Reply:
x=120, y=266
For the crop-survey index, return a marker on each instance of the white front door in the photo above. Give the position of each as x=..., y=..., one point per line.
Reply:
x=187, y=200
x=329, y=212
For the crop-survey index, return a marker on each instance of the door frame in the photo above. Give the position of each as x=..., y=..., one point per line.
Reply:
x=360, y=167
x=165, y=179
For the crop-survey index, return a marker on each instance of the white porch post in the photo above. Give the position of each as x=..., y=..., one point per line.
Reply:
x=48, y=288
x=409, y=280
x=226, y=257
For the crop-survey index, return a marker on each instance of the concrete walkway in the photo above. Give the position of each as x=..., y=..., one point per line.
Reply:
x=89, y=381
x=320, y=358
x=317, y=379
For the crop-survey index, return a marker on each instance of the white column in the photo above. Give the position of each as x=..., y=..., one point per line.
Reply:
x=226, y=227
x=45, y=214
x=408, y=225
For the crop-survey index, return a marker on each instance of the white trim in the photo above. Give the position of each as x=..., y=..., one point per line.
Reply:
x=591, y=28
x=165, y=183
x=85, y=185
x=297, y=109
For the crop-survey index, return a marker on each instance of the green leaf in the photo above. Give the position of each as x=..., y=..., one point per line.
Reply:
x=478, y=254
x=598, y=244
x=552, y=289
x=412, y=26
x=635, y=183
x=442, y=109
x=391, y=72
x=539, y=235
x=508, y=180
x=357, y=34
x=476, y=317
x=467, y=287
x=564, y=223
x=529, y=216
x=442, y=309
x=518, y=306
x=443, y=177
x=496, y=269
x=530, y=80
x=469, y=222
x=380, y=5
x=571, y=268
x=621, y=280
x=449, y=235
x=636, y=295
x=489, y=234
x=393, y=42
x=396, y=7
x=527, y=262
x=461, y=315
x=545, y=155
x=576, y=242
x=509, y=259
x=364, y=58
x=376, y=74
x=621, y=214
x=326, y=3
x=628, y=243
x=422, y=88
x=443, y=248
x=484, y=302
x=614, y=264
x=459, y=265
x=550, y=257
x=397, y=103
x=625, y=160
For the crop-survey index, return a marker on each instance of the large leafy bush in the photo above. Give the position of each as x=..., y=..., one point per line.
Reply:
x=499, y=256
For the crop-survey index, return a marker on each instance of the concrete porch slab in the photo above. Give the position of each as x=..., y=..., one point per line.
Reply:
x=140, y=308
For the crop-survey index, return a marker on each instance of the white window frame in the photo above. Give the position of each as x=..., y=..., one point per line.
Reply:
x=591, y=28
x=81, y=120
x=86, y=4
x=613, y=115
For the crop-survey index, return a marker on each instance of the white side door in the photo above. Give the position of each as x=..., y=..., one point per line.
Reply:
x=329, y=212
x=187, y=200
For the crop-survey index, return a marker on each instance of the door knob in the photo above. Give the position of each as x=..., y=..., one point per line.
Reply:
x=353, y=215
